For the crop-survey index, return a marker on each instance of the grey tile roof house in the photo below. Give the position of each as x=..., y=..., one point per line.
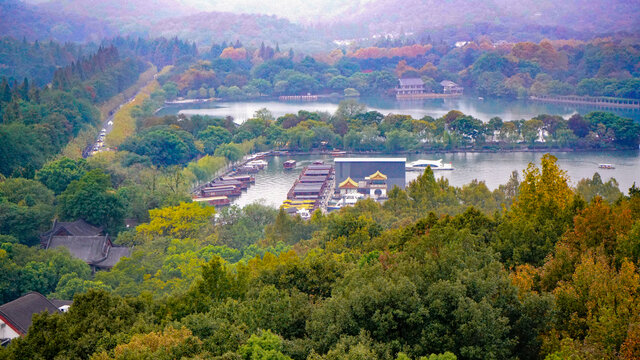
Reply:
x=85, y=242
x=15, y=316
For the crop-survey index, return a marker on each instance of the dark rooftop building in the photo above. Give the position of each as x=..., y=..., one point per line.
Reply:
x=15, y=316
x=360, y=168
x=85, y=242
x=75, y=228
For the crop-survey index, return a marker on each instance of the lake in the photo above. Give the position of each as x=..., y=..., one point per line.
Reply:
x=481, y=109
x=273, y=183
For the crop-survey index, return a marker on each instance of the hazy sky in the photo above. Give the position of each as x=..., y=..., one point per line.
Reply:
x=302, y=10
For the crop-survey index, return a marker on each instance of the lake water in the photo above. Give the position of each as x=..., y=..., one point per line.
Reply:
x=273, y=183
x=481, y=109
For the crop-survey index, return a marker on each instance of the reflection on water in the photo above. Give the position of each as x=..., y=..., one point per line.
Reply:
x=494, y=169
x=481, y=109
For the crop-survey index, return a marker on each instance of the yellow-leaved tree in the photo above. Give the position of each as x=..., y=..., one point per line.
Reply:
x=187, y=220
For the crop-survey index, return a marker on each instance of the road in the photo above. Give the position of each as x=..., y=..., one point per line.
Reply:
x=107, y=125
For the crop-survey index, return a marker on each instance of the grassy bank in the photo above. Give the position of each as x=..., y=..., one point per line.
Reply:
x=124, y=124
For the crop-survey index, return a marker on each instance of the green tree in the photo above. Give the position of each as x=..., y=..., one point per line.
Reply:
x=212, y=137
x=230, y=151
x=349, y=109
x=91, y=198
x=58, y=174
x=265, y=346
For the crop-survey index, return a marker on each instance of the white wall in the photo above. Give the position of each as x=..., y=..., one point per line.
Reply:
x=6, y=332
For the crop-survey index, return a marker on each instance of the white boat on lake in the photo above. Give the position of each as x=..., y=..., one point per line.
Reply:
x=420, y=165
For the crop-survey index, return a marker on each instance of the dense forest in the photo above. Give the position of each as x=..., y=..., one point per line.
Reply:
x=598, y=67
x=39, y=120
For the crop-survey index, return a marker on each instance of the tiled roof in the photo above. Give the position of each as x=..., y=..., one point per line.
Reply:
x=410, y=81
x=448, y=83
x=349, y=183
x=18, y=312
x=378, y=176
x=75, y=228
x=115, y=254
x=91, y=249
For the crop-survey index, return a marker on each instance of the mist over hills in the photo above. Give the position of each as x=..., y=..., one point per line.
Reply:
x=214, y=27
x=312, y=26
x=22, y=20
x=394, y=16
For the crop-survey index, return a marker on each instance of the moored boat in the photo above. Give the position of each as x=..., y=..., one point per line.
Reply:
x=606, y=166
x=260, y=164
x=214, y=200
x=420, y=165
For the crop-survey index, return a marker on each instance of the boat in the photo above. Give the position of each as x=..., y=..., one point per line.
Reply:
x=345, y=200
x=606, y=166
x=336, y=153
x=261, y=164
x=242, y=178
x=247, y=170
x=289, y=164
x=304, y=214
x=420, y=165
x=214, y=200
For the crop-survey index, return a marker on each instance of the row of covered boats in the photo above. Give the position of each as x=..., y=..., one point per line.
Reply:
x=310, y=190
x=219, y=191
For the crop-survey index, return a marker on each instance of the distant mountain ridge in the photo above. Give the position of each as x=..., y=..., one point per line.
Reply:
x=89, y=20
x=388, y=16
x=21, y=20
x=153, y=18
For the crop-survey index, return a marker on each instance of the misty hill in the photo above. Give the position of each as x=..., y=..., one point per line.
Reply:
x=250, y=29
x=128, y=17
x=394, y=16
x=34, y=23
x=185, y=19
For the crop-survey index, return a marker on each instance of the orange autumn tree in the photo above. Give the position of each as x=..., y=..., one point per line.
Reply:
x=544, y=54
x=234, y=53
x=375, y=52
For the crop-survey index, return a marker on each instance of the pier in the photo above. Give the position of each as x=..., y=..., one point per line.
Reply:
x=599, y=101
x=311, y=191
x=298, y=97
x=426, y=96
x=231, y=181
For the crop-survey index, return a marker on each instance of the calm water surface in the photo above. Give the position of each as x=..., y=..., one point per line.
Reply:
x=481, y=109
x=273, y=183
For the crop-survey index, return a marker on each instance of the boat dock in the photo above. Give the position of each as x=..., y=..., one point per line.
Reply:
x=232, y=182
x=312, y=189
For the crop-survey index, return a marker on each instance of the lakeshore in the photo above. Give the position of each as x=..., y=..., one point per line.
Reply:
x=482, y=109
